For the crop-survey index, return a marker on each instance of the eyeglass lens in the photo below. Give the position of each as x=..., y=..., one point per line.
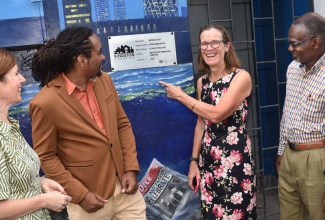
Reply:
x=214, y=44
x=299, y=43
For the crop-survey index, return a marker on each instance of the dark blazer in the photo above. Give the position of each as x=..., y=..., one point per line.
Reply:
x=72, y=149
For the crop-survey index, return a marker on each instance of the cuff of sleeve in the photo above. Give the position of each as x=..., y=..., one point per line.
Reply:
x=280, y=150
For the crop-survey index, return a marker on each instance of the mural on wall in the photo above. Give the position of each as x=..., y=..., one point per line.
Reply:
x=22, y=31
x=163, y=128
x=21, y=18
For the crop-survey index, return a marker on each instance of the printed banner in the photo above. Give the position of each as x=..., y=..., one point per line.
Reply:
x=168, y=195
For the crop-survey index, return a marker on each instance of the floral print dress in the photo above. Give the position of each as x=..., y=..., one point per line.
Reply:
x=228, y=184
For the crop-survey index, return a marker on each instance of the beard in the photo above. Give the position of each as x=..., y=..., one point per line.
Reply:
x=99, y=73
x=297, y=59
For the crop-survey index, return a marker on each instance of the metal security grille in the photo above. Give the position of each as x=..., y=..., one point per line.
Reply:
x=259, y=33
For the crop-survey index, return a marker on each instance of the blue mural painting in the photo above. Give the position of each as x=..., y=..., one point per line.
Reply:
x=21, y=23
x=163, y=128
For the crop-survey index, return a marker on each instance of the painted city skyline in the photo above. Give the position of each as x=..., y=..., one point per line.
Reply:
x=134, y=9
x=111, y=10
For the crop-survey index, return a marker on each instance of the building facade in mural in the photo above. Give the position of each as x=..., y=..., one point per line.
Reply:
x=119, y=10
x=76, y=12
x=102, y=10
x=160, y=8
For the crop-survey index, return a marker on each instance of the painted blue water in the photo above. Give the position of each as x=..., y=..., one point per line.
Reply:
x=134, y=83
x=143, y=82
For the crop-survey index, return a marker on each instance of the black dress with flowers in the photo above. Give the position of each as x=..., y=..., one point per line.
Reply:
x=228, y=184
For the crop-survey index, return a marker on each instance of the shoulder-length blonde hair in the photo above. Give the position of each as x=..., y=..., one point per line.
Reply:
x=7, y=62
x=231, y=59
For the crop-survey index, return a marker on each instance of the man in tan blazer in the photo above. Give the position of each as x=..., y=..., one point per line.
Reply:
x=81, y=132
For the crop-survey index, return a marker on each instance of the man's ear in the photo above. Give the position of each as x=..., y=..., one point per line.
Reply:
x=81, y=60
x=317, y=42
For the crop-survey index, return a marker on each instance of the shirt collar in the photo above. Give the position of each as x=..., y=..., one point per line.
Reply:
x=71, y=86
x=6, y=128
x=319, y=61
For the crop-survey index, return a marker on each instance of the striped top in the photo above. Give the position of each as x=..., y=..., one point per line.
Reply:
x=303, y=118
x=19, y=168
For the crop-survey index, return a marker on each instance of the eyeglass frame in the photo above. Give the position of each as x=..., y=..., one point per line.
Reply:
x=207, y=44
x=297, y=44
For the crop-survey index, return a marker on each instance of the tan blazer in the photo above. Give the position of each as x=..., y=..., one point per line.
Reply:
x=72, y=149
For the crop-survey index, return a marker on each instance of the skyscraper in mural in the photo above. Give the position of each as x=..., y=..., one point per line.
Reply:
x=119, y=10
x=160, y=8
x=76, y=12
x=183, y=12
x=102, y=10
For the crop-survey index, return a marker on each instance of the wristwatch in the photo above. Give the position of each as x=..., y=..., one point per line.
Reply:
x=194, y=159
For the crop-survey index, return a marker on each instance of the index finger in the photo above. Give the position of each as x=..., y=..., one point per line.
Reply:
x=163, y=83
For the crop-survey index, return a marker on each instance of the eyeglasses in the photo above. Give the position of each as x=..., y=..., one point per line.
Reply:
x=214, y=44
x=294, y=45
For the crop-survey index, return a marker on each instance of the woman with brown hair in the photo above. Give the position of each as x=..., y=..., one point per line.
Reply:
x=221, y=164
x=23, y=194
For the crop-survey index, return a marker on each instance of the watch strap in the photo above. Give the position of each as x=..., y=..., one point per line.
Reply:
x=194, y=159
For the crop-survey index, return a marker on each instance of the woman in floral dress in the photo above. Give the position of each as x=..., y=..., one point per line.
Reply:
x=221, y=158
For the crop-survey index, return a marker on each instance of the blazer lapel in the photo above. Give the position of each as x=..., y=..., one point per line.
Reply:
x=73, y=102
x=102, y=94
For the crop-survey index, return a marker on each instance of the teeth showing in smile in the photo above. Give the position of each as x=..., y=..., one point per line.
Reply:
x=211, y=55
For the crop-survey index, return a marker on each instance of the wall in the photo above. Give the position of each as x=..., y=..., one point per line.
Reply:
x=319, y=6
x=163, y=128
